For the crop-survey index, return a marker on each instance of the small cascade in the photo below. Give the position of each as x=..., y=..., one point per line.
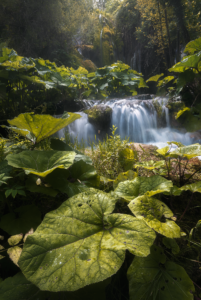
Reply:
x=135, y=119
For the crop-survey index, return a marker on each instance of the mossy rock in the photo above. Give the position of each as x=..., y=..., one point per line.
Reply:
x=89, y=65
x=100, y=116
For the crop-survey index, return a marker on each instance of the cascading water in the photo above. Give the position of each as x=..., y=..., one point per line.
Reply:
x=136, y=119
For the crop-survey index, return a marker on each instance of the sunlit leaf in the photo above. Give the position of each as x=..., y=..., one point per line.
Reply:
x=41, y=163
x=164, y=151
x=81, y=243
x=41, y=126
x=142, y=185
x=181, y=112
x=14, y=254
x=187, y=151
x=156, y=278
x=155, y=78
x=151, y=164
x=194, y=187
x=193, y=46
x=15, y=239
x=151, y=211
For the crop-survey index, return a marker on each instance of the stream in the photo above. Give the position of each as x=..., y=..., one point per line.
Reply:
x=136, y=119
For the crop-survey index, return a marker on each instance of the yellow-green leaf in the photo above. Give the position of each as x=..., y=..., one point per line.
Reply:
x=14, y=254
x=15, y=239
x=41, y=126
x=81, y=243
x=142, y=185
x=151, y=211
x=41, y=163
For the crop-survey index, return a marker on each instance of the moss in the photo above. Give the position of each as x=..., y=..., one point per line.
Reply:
x=174, y=107
x=99, y=115
x=89, y=65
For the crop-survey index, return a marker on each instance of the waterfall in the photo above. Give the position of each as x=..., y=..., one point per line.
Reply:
x=136, y=119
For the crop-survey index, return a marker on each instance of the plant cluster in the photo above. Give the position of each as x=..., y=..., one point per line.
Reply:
x=66, y=248
x=28, y=84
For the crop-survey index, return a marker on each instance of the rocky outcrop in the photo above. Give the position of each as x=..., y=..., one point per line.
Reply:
x=100, y=116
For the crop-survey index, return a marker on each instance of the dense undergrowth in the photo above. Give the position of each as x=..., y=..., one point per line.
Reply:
x=114, y=226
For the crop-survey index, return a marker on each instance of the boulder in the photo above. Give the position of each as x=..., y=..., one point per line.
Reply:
x=100, y=116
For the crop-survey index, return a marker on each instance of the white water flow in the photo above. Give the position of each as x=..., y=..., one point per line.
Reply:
x=136, y=119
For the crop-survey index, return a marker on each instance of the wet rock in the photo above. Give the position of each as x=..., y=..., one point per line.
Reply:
x=145, y=97
x=100, y=116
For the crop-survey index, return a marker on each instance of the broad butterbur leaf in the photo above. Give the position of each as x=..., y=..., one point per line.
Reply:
x=151, y=211
x=81, y=243
x=21, y=220
x=41, y=126
x=171, y=244
x=14, y=254
x=174, y=191
x=193, y=46
x=187, y=151
x=194, y=187
x=155, y=278
x=15, y=239
x=143, y=185
x=32, y=185
x=41, y=163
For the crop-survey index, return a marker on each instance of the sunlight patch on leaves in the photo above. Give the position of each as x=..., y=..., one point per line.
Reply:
x=81, y=243
x=151, y=211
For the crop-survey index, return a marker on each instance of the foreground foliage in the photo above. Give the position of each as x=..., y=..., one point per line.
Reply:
x=63, y=233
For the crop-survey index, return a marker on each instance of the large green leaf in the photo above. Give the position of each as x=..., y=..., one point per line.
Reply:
x=193, y=46
x=41, y=163
x=41, y=126
x=81, y=243
x=85, y=173
x=194, y=187
x=59, y=145
x=155, y=278
x=191, y=61
x=32, y=186
x=59, y=180
x=151, y=211
x=143, y=185
x=187, y=151
x=21, y=220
